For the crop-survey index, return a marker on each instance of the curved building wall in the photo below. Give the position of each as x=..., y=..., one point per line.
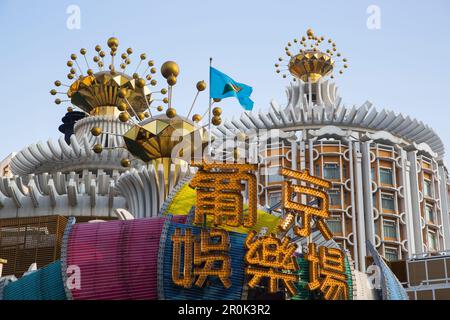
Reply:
x=389, y=184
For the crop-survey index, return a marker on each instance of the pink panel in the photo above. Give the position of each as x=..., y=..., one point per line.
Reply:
x=117, y=259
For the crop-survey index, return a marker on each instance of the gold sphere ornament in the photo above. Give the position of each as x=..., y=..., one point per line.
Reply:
x=143, y=56
x=171, y=113
x=98, y=48
x=151, y=63
x=129, y=51
x=171, y=80
x=163, y=90
x=98, y=148
x=216, y=120
x=196, y=118
x=201, y=85
x=122, y=106
x=135, y=76
x=160, y=108
x=69, y=109
x=57, y=83
x=217, y=100
x=53, y=92
x=140, y=115
x=58, y=101
x=69, y=63
x=124, y=116
x=96, y=131
x=125, y=163
x=83, y=51
x=166, y=100
x=122, y=93
x=140, y=83
x=146, y=114
x=90, y=72
x=217, y=111
x=70, y=76
x=102, y=54
x=124, y=56
x=96, y=59
x=148, y=77
x=153, y=82
x=170, y=68
x=113, y=42
x=73, y=56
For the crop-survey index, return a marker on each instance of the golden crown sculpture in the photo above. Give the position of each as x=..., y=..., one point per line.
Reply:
x=314, y=60
x=113, y=92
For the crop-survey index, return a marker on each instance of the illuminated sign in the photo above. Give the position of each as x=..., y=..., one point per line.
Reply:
x=219, y=189
x=207, y=256
x=293, y=205
x=272, y=258
x=327, y=272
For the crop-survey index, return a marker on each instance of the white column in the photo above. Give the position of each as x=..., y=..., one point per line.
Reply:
x=408, y=203
x=294, y=148
x=415, y=204
x=367, y=188
x=444, y=205
x=360, y=207
x=352, y=197
x=311, y=156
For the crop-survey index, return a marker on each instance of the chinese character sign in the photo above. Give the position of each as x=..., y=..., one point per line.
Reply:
x=220, y=189
x=293, y=205
x=271, y=258
x=201, y=258
x=327, y=272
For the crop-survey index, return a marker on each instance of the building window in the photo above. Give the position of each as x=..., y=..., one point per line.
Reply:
x=427, y=188
x=274, y=198
x=273, y=174
x=430, y=214
x=335, y=225
x=390, y=229
x=331, y=171
x=391, y=254
x=335, y=197
x=317, y=170
x=387, y=202
x=372, y=173
x=432, y=244
x=386, y=176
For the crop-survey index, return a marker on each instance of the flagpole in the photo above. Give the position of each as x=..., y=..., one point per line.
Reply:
x=209, y=109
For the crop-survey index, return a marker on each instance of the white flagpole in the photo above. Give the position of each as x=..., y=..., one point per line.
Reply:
x=209, y=110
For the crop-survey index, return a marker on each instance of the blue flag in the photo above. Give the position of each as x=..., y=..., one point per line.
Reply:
x=222, y=86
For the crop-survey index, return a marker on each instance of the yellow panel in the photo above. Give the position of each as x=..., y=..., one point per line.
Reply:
x=185, y=200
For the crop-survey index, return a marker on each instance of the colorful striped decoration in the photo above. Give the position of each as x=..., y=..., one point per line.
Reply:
x=43, y=284
x=215, y=290
x=117, y=259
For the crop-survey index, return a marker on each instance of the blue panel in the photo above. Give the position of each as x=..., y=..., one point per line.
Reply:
x=44, y=284
x=215, y=289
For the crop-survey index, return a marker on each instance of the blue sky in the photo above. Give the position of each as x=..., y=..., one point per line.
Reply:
x=404, y=66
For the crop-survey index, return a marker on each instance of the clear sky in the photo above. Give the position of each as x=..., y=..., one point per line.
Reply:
x=403, y=66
